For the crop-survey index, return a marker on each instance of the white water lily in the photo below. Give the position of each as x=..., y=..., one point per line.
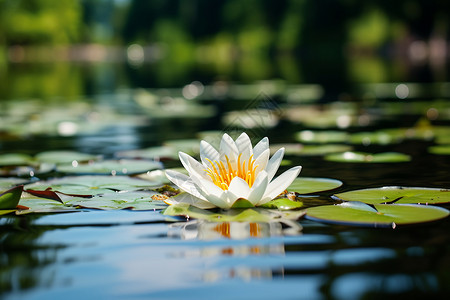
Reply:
x=236, y=171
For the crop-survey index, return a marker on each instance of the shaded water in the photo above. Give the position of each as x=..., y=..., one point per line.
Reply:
x=128, y=254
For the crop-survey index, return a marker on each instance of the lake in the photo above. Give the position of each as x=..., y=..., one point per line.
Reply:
x=108, y=109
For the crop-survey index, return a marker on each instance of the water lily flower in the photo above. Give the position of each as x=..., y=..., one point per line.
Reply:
x=235, y=171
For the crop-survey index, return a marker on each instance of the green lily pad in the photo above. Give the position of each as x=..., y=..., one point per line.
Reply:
x=189, y=146
x=363, y=157
x=90, y=185
x=154, y=153
x=114, y=167
x=27, y=170
x=378, y=215
x=322, y=137
x=308, y=185
x=119, y=200
x=440, y=149
x=395, y=194
x=231, y=215
x=310, y=150
x=40, y=205
x=378, y=137
x=15, y=159
x=282, y=204
x=10, y=198
x=64, y=157
x=9, y=182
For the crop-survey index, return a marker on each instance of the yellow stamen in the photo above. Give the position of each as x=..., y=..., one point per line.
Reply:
x=222, y=175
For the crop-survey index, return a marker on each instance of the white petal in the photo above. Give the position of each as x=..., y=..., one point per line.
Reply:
x=208, y=152
x=244, y=145
x=211, y=192
x=261, y=147
x=189, y=199
x=261, y=160
x=279, y=184
x=230, y=198
x=228, y=147
x=192, y=165
x=258, y=188
x=274, y=163
x=239, y=187
x=184, y=183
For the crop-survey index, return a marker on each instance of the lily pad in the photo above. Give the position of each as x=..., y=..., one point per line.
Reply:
x=27, y=170
x=378, y=215
x=154, y=153
x=308, y=185
x=35, y=204
x=189, y=146
x=231, y=215
x=283, y=204
x=440, y=149
x=92, y=185
x=396, y=194
x=64, y=157
x=119, y=200
x=322, y=137
x=9, y=182
x=378, y=137
x=310, y=150
x=114, y=167
x=15, y=159
x=10, y=198
x=363, y=157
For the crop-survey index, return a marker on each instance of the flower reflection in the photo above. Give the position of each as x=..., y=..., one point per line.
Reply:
x=248, y=239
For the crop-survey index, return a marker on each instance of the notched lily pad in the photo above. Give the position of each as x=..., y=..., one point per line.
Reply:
x=322, y=137
x=362, y=157
x=15, y=159
x=114, y=167
x=90, y=185
x=65, y=157
x=396, y=194
x=283, y=204
x=120, y=200
x=153, y=153
x=308, y=185
x=378, y=215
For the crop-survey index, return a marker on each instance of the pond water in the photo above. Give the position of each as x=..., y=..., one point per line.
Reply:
x=147, y=255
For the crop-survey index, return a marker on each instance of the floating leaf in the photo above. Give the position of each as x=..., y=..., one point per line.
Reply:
x=153, y=153
x=9, y=182
x=310, y=150
x=362, y=157
x=90, y=185
x=15, y=159
x=10, y=198
x=231, y=215
x=307, y=185
x=283, y=204
x=61, y=157
x=378, y=137
x=190, y=146
x=41, y=205
x=6, y=211
x=396, y=194
x=114, y=167
x=440, y=149
x=27, y=170
x=119, y=200
x=378, y=215
x=322, y=137
x=160, y=175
